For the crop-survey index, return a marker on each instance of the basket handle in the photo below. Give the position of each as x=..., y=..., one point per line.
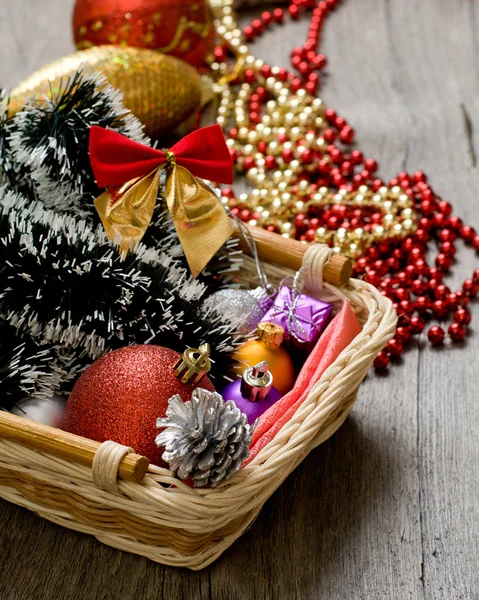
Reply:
x=289, y=253
x=42, y=438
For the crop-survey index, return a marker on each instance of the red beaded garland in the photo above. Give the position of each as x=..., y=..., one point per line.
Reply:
x=405, y=270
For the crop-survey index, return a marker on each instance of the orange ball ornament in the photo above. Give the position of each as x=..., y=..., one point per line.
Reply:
x=179, y=27
x=268, y=347
x=120, y=396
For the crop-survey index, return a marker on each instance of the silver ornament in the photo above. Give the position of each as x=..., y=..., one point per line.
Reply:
x=239, y=308
x=48, y=411
x=206, y=439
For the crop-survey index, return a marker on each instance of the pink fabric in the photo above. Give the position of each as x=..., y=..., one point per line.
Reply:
x=337, y=336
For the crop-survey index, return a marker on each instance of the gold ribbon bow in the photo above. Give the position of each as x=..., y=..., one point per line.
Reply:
x=126, y=210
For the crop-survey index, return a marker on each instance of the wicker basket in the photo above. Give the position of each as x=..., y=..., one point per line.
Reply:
x=100, y=489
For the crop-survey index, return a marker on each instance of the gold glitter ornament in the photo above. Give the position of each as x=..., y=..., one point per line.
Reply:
x=161, y=91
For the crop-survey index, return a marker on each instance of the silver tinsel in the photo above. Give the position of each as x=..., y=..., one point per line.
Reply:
x=206, y=439
x=239, y=307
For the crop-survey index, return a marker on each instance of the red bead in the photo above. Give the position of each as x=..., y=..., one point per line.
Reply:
x=422, y=304
x=470, y=287
x=402, y=294
x=419, y=176
x=333, y=222
x=436, y=335
x=361, y=264
x=329, y=135
x=373, y=277
x=403, y=278
x=448, y=249
x=294, y=11
x=319, y=62
x=435, y=273
x=457, y=332
x=304, y=68
x=406, y=307
x=475, y=242
x=441, y=291
x=451, y=301
x=356, y=157
x=311, y=87
x=427, y=207
x=266, y=71
x=444, y=207
x=444, y=262
x=287, y=155
x=248, y=163
x=402, y=334
x=266, y=17
x=330, y=115
x=411, y=270
x=455, y=223
x=370, y=165
x=468, y=233
x=346, y=135
x=278, y=15
x=463, y=316
x=270, y=162
x=462, y=299
x=257, y=26
x=439, y=308
x=417, y=325
x=439, y=220
x=249, y=33
x=447, y=235
x=475, y=276
x=296, y=61
x=381, y=361
x=418, y=287
x=395, y=348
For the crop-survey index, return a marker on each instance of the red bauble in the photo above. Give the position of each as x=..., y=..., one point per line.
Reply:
x=122, y=394
x=178, y=27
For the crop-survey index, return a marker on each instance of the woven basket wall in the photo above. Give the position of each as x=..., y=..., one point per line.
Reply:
x=166, y=520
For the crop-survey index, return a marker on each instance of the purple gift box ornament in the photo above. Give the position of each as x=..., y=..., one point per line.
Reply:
x=303, y=318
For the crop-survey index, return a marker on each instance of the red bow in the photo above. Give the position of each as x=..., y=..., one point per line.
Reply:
x=116, y=159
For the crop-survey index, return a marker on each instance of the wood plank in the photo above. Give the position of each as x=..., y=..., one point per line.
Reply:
x=398, y=484
x=442, y=93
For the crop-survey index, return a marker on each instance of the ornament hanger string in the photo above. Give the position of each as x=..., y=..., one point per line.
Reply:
x=253, y=250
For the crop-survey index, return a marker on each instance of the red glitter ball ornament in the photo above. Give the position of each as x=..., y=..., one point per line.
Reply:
x=120, y=396
x=178, y=27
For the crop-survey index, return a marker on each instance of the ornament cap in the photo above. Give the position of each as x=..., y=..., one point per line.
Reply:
x=193, y=365
x=271, y=334
x=257, y=382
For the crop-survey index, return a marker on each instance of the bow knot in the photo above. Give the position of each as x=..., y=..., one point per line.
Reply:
x=170, y=158
x=130, y=172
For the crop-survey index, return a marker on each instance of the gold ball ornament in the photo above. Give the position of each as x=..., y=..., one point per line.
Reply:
x=268, y=347
x=161, y=91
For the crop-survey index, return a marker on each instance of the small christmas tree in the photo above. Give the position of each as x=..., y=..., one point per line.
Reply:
x=67, y=296
x=66, y=288
x=50, y=139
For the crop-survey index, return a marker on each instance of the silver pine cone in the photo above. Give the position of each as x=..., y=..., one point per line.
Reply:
x=206, y=439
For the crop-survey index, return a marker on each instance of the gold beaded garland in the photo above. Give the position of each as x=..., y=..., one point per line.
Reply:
x=276, y=199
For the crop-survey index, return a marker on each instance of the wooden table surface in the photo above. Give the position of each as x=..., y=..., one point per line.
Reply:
x=387, y=508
